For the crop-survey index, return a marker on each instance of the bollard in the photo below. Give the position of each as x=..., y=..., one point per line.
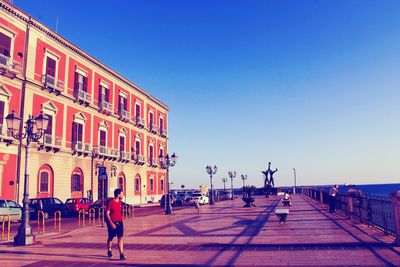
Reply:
x=321, y=196
x=125, y=211
x=92, y=216
x=40, y=215
x=101, y=214
x=57, y=220
x=395, y=197
x=8, y=226
x=81, y=218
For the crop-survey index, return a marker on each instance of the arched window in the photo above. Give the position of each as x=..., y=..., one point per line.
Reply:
x=151, y=184
x=162, y=184
x=121, y=183
x=44, y=182
x=77, y=183
x=137, y=184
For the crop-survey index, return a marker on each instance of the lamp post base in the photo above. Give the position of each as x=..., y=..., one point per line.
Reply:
x=168, y=210
x=24, y=236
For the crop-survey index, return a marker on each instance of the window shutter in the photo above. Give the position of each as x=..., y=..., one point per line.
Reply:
x=1, y=112
x=49, y=129
x=51, y=67
x=74, y=135
x=76, y=81
x=85, y=82
x=5, y=45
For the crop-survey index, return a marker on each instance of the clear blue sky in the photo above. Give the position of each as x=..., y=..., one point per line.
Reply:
x=313, y=85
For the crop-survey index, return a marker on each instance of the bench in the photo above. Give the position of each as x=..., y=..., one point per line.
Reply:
x=286, y=202
x=282, y=214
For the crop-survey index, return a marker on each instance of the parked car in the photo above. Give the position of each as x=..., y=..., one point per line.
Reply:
x=48, y=205
x=225, y=195
x=76, y=204
x=182, y=199
x=172, y=199
x=201, y=198
x=9, y=207
x=99, y=203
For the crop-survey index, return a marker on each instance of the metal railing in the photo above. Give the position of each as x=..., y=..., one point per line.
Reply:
x=51, y=82
x=106, y=106
x=126, y=115
x=139, y=121
x=153, y=128
x=7, y=64
x=50, y=140
x=163, y=132
x=82, y=95
x=113, y=153
x=376, y=211
x=124, y=156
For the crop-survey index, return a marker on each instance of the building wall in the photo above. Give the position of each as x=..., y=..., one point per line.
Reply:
x=58, y=157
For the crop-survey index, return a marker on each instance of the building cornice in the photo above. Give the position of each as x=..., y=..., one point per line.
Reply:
x=18, y=13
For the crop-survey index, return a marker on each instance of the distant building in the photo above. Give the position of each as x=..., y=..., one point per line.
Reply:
x=96, y=117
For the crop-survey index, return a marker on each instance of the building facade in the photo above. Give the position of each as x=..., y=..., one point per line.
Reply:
x=96, y=118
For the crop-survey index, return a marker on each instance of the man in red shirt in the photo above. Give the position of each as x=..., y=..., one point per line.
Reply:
x=114, y=223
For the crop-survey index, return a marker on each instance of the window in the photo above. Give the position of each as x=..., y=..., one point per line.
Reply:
x=81, y=82
x=103, y=138
x=76, y=182
x=77, y=132
x=1, y=112
x=161, y=125
x=122, y=143
x=137, y=148
x=104, y=94
x=137, y=110
x=57, y=201
x=137, y=185
x=121, y=183
x=151, y=118
x=162, y=185
x=161, y=152
x=51, y=67
x=122, y=103
x=49, y=129
x=5, y=45
x=151, y=184
x=151, y=153
x=70, y=200
x=44, y=182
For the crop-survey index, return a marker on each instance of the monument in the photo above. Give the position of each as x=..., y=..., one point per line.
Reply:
x=269, y=182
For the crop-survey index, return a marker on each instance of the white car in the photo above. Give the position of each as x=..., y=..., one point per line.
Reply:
x=9, y=207
x=201, y=198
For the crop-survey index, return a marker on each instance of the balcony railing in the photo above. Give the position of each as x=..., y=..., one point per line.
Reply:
x=52, y=84
x=105, y=107
x=153, y=128
x=152, y=162
x=9, y=67
x=139, y=122
x=4, y=134
x=114, y=153
x=124, y=156
x=138, y=159
x=81, y=95
x=81, y=147
x=52, y=141
x=124, y=115
x=163, y=132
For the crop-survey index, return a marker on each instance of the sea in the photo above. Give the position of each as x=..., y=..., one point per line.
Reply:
x=383, y=190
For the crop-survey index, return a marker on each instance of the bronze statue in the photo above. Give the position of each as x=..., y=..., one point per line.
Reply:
x=269, y=183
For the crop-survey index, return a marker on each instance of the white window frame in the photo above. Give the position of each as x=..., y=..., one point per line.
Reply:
x=151, y=112
x=80, y=177
x=122, y=133
x=162, y=182
x=54, y=56
x=81, y=118
x=10, y=33
x=5, y=96
x=49, y=108
x=48, y=182
x=103, y=126
x=154, y=184
x=137, y=103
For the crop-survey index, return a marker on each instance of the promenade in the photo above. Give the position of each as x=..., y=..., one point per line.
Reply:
x=224, y=234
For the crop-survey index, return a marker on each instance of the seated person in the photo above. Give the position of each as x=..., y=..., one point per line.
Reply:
x=286, y=199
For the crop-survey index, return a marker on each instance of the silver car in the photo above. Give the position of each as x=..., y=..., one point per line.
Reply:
x=9, y=207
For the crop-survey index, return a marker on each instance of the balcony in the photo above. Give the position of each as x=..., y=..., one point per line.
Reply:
x=52, y=85
x=153, y=128
x=105, y=107
x=124, y=115
x=4, y=135
x=163, y=133
x=100, y=152
x=152, y=162
x=124, y=156
x=9, y=67
x=81, y=95
x=113, y=154
x=51, y=142
x=138, y=159
x=139, y=122
x=80, y=148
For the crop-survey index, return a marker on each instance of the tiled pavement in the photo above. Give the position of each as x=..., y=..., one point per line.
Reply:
x=224, y=234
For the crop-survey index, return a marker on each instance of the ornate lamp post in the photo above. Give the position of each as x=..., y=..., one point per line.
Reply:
x=34, y=129
x=211, y=171
x=224, y=180
x=232, y=175
x=167, y=162
x=244, y=178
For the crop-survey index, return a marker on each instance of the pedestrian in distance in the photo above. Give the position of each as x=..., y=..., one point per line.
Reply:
x=197, y=205
x=332, y=198
x=115, y=226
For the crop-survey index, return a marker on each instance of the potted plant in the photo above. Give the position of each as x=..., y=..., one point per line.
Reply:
x=247, y=198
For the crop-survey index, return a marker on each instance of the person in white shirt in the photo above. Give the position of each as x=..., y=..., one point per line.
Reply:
x=332, y=198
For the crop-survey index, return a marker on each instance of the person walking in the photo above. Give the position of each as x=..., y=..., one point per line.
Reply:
x=115, y=226
x=332, y=198
x=197, y=205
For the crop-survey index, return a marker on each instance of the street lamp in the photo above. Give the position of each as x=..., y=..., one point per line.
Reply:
x=232, y=175
x=34, y=129
x=244, y=178
x=295, y=182
x=167, y=162
x=224, y=180
x=211, y=171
